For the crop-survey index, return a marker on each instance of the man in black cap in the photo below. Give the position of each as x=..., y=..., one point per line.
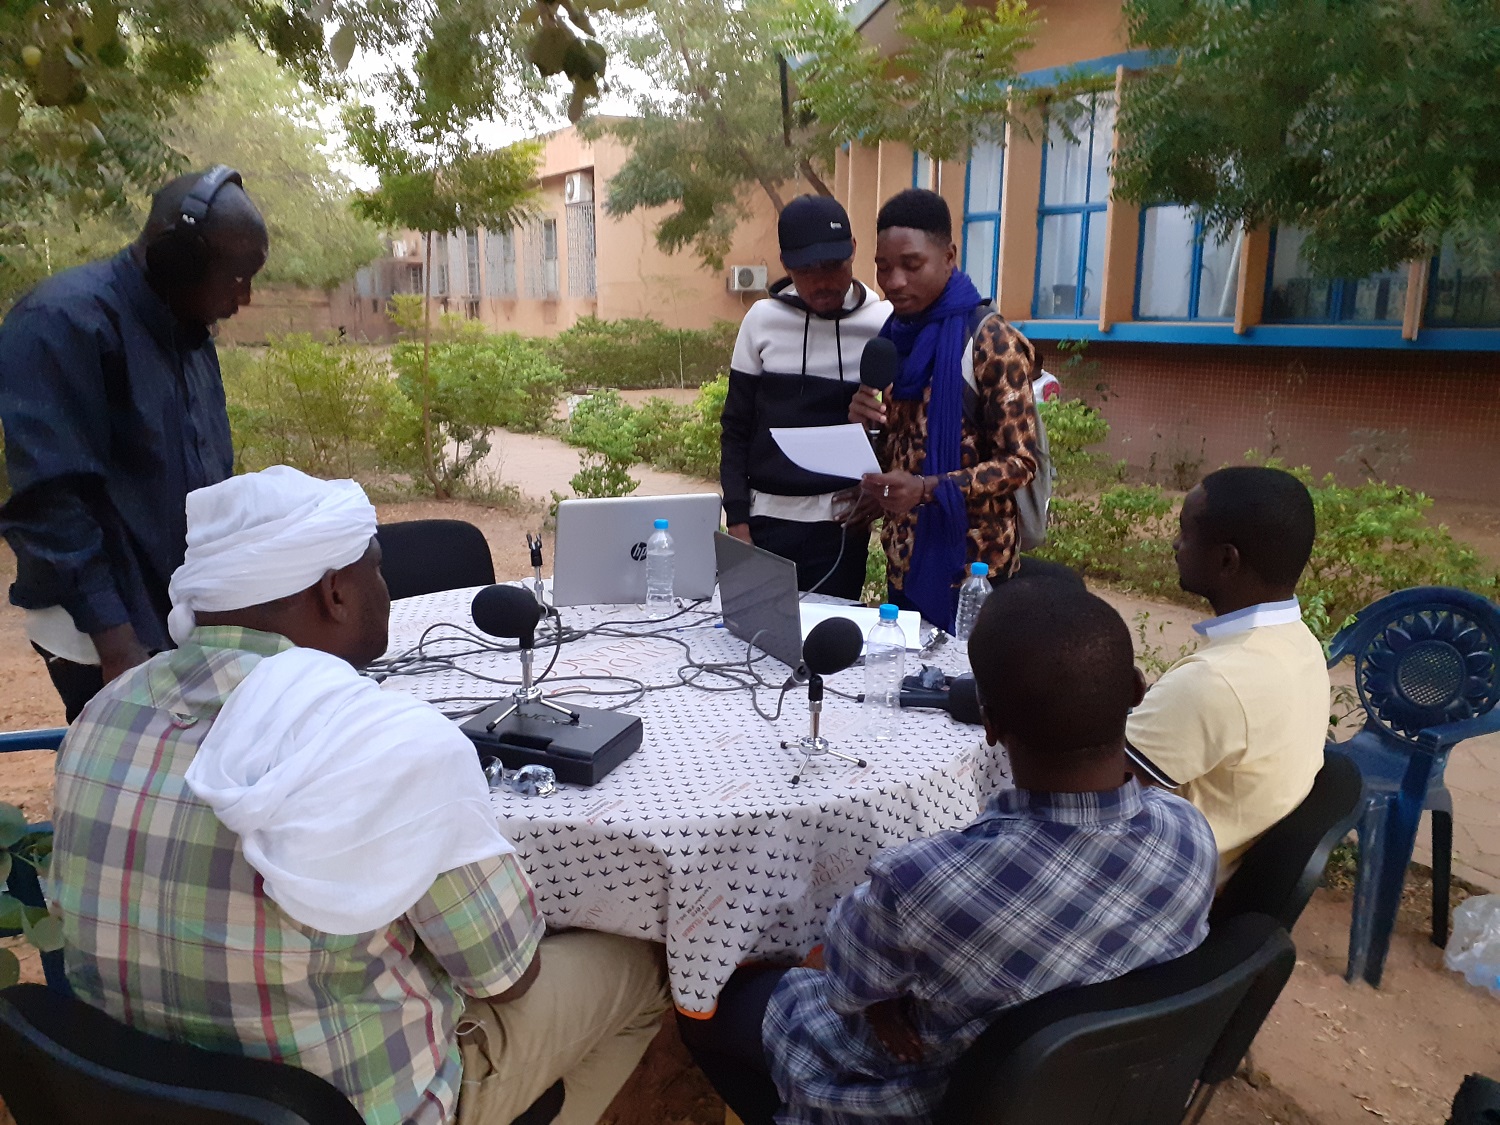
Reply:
x=796, y=363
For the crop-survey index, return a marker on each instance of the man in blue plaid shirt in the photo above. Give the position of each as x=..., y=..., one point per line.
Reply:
x=1077, y=875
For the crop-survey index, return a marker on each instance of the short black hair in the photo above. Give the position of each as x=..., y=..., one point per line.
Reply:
x=1266, y=514
x=917, y=209
x=1056, y=665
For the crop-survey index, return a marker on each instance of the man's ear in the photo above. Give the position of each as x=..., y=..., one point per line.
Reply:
x=1229, y=560
x=992, y=730
x=1140, y=687
x=333, y=601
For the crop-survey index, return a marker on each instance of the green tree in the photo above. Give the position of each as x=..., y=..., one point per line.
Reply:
x=1373, y=126
x=254, y=116
x=433, y=179
x=706, y=130
x=951, y=82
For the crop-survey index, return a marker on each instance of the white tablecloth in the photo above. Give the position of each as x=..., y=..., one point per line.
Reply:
x=699, y=840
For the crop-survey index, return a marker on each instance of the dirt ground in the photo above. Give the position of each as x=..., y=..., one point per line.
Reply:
x=1331, y=1054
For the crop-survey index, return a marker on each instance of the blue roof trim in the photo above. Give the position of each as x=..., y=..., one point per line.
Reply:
x=1131, y=60
x=1384, y=336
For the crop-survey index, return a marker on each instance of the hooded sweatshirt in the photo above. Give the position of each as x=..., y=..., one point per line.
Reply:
x=791, y=367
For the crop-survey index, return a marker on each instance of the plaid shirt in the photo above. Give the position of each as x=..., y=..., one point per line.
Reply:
x=167, y=928
x=1043, y=891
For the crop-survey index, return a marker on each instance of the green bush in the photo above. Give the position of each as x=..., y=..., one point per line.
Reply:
x=477, y=382
x=1072, y=427
x=1122, y=535
x=328, y=409
x=682, y=439
x=641, y=353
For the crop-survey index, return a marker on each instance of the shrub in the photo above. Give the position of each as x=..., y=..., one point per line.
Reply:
x=641, y=353
x=328, y=409
x=477, y=382
x=683, y=439
x=1072, y=427
x=1122, y=535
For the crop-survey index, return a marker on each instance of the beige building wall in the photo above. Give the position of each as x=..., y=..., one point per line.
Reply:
x=632, y=276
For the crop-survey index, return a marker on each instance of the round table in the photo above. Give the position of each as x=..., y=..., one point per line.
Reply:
x=699, y=840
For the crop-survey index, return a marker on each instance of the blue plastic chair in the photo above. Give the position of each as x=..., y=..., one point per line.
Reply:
x=1427, y=667
x=22, y=882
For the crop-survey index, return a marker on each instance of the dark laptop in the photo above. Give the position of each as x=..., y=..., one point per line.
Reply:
x=758, y=594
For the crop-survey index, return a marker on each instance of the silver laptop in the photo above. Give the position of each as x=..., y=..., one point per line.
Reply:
x=600, y=557
x=758, y=594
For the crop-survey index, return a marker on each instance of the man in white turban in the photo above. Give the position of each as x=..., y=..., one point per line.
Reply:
x=258, y=851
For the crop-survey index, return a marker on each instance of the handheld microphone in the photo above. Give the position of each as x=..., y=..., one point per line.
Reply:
x=831, y=646
x=511, y=612
x=956, y=696
x=878, y=365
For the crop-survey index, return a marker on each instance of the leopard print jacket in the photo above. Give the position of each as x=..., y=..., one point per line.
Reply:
x=998, y=456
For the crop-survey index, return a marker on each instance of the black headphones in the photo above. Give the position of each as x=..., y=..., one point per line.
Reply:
x=179, y=256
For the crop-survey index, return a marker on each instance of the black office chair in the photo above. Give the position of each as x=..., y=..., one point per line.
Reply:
x=1130, y=1051
x=67, y=1063
x=1279, y=872
x=428, y=556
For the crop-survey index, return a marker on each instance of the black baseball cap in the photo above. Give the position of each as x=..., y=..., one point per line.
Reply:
x=813, y=229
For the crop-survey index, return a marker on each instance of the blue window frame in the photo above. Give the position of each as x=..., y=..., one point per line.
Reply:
x=1461, y=293
x=1185, y=271
x=922, y=171
x=1070, y=217
x=981, y=226
x=1294, y=295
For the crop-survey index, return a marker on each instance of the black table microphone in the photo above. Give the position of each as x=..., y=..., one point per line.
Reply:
x=956, y=696
x=831, y=646
x=878, y=365
x=511, y=612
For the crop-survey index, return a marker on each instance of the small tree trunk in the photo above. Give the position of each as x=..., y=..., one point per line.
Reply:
x=429, y=461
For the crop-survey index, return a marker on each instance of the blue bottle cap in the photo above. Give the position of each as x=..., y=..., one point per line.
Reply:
x=981, y=570
x=660, y=525
x=888, y=612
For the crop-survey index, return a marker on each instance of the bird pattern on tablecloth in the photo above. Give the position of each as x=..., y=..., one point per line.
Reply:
x=699, y=840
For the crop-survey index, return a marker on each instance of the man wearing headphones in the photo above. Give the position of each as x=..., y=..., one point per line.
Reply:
x=113, y=408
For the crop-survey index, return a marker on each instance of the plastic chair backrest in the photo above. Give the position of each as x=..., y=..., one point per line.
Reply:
x=70, y=1064
x=1423, y=658
x=1124, y=1052
x=47, y=738
x=1279, y=872
x=429, y=556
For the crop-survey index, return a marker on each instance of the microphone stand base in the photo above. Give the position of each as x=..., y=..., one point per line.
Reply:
x=812, y=745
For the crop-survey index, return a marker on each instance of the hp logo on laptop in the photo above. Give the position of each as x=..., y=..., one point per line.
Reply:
x=638, y=551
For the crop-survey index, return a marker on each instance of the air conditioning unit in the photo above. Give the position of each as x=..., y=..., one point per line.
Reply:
x=578, y=187
x=747, y=279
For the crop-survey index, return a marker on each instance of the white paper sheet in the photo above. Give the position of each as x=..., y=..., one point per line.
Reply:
x=839, y=451
x=863, y=616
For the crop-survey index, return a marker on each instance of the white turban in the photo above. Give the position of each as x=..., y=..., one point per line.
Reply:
x=262, y=536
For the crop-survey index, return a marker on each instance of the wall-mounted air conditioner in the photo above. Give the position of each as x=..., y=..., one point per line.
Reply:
x=747, y=279
x=578, y=187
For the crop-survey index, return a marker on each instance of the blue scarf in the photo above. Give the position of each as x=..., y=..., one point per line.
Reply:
x=931, y=346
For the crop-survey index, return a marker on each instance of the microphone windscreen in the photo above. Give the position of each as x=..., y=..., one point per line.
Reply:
x=878, y=364
x=963, y=700
x=832, y=646
x=507, y=611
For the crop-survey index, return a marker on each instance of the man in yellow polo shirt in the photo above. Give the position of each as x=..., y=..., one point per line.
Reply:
x=1238, y=726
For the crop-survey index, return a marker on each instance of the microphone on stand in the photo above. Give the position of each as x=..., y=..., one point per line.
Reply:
x=878, y=365
x=512, y=612
x=830, y=647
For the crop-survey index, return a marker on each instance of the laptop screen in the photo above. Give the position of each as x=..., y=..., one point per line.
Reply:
x=758, y=594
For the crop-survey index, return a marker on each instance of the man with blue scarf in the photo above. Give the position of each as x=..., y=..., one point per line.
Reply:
x=957, y=441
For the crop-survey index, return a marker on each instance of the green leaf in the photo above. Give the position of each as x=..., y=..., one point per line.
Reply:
x=10, y=969
x=549, y=49
x=5, y=865
x=341, y=46
x=12, y=825
x=10, y=112
x=12, y=913
x=46, y=934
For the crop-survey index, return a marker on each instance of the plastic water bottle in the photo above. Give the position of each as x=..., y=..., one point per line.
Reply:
x=659, y=554
x=971, y=597
x=885, y=665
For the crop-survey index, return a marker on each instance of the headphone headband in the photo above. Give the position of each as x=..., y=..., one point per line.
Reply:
x=195, y=206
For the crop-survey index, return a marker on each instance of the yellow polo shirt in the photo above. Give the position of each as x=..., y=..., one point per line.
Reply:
x=1240, y=724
